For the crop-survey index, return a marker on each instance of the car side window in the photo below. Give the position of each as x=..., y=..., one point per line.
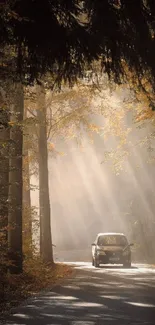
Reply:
x=98, y=241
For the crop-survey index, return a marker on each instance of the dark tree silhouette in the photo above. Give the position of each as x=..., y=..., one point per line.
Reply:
x=49, y=36
x=124, y=30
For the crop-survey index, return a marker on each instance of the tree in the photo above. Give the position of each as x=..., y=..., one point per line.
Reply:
x=64, y=49
x=53, y=114
x=21, y=64
x=16, y=182
x=111, y=32
x=27, y=209
x=4, y=174
x=44, y=200
x=117, y=27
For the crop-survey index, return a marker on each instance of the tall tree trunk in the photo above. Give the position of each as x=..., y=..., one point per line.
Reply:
x=27, y=217
x=46, y=248
x=4, y=185
x=16, y=183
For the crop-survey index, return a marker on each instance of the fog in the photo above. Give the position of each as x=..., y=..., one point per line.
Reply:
x=91, y=194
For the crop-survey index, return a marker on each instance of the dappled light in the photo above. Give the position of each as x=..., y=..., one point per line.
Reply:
x=87, y=196
x=141, y=304
x=22, y=316
x=86, y=304
x=101, y=296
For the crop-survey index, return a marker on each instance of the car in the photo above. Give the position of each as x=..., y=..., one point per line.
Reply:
x=111, y=248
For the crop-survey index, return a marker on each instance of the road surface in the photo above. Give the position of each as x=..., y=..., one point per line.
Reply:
x=109, y=295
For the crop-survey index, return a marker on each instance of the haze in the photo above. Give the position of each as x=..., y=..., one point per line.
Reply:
x=89, y=193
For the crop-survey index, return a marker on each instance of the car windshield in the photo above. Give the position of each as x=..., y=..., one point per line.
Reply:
x=114, y=240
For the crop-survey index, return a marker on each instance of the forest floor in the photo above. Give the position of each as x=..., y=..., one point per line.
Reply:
x=36, y=277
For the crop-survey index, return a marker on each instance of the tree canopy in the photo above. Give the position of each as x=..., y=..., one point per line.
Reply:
x=50, y=36
x=124, y=29
x=47, y=38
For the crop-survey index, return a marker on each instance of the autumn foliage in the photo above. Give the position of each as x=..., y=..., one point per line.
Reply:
x=36, y=276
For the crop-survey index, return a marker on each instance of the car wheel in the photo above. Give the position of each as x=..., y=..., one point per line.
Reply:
x=127, y=264
x=92, y=261
x=96, y=263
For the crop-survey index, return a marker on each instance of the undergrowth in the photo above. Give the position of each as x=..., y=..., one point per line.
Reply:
x=36, y=276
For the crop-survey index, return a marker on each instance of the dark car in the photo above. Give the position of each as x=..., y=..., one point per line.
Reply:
x=111, y=248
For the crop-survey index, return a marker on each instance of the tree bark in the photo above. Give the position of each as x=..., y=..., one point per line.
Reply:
x=16, y=183
x=46, y=248
x=27, y=217
x=27, y=222
x=4, y=187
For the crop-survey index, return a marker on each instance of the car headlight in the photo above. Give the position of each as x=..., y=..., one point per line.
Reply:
x=100, y=251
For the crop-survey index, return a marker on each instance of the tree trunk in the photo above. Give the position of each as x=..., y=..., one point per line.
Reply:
x=16, y=183
x=4, y=186
x=27, y=217
x=46, y=248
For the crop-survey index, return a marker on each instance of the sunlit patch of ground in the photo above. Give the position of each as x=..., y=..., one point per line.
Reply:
x=94, y=296
x=135, y=268
x=140, y=304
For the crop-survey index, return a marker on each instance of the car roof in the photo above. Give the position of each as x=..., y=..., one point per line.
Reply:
x=110, y=234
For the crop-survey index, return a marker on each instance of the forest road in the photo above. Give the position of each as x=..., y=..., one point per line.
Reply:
x=109, y=295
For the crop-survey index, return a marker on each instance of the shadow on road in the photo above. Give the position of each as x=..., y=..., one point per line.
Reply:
x=94, y=297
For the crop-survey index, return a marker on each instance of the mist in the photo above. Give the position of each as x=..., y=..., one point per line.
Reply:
x=90, y=194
